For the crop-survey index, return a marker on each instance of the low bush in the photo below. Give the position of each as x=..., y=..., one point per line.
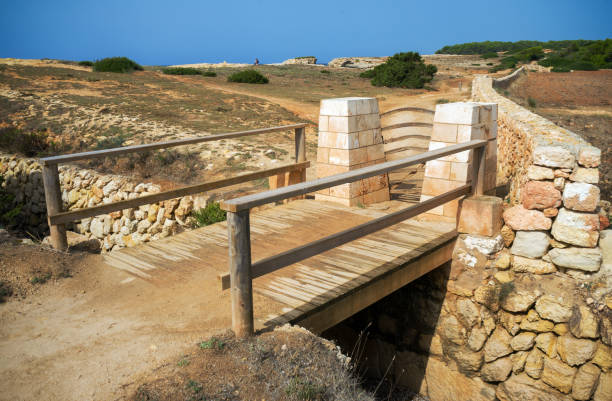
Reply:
x=489, y=55
x=86, y=63
x=248, y=77
x=325, y=72
x=209, y=73
x=403, y=70
x=10, y=211
x=29, y=144
x=532, y=102
x=116, y=64
x=505, y=64
x=181, y=71
x=211, y=214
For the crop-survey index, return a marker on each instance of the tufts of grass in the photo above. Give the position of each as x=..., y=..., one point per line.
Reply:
x=442, y=101
x=40, y=279
x=208, y=215
x=304, y=390
x=213, y=343
x=116, y=64
x=532, y=103
x=248, y=77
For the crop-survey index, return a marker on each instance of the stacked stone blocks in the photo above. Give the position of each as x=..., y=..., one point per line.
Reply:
x=458, y=123
x=350, y=138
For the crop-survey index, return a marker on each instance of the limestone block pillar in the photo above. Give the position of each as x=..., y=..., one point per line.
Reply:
x=350, y=138
x=457, y=123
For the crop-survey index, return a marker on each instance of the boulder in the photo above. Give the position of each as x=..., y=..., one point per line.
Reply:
x=587, y=259
x=555, y=308
x=581, y=196
x=574, y=351
x=553, y=156
x=497, y=371
x=585, y=382
x=523, y=341
x=498, y=345
x=581, y=229
x=519, y=218
x=535, y=266
x=301, y=60
x=540, y=195
x=583, y=323
x=531, y=244
x=523, y=388
x=558, y=375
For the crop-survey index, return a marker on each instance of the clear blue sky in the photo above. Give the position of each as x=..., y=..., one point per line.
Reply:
x=173, y=32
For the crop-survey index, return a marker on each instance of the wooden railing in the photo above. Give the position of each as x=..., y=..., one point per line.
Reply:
x=53, y=194
x=242, y=271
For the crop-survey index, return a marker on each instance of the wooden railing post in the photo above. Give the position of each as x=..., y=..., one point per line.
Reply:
x=478, y=171
x=53, y=198
x=240, y=273
x=300, y=144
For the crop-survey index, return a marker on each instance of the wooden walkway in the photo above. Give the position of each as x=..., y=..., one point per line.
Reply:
x=318, y=292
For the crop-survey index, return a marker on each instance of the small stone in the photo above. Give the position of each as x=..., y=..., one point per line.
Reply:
x=581, y=196
x=468, y=312
x=531, y=244
x=507, y=234
x=553, y=156
x=574, y=351
x=539, y=326
x=497, y=371
x=498, y=345
x=488, y=295
x=540, y=195
x=522, y=388
x=547, y=343
x=558, y=375
x=452, y=330
x=561, y=328
x=534, y=363
x=526, y=265
x=583, y=323
x=477, y=338
x=604, y=388
x=504, y=276
x=143, y=226
x=603, y=357
x=554, y=308
x=523, y=341
x=484, y=245
x=588, y=175
x=502, y=262
x=519, y=218
x=587, y=259
x=589, y=156
x=563, y=173
x=519, y=301
x=556, y=244
x=538, y=173
x=551, y=212
x=581, y=229
x=466, y=360
x=559, y=183
x=511, y=322
x=585, y=382
x=518, y=361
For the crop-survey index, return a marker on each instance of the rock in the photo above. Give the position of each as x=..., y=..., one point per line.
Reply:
x=539, y=326
x=301, y=60
x=519, y=301
x=583, y=323
x=518, y=361
x=581, y=229
x=484, y=245
x=547, y=343
x=502, y=262
x=561, y=328
x=585, y=382
x=498, y=345
x=143, y=226
x=553, y=156
x=603, y=357
x=580, y=196
x=468, y=312
x=96, y=227
x=511, y=322
x=536, y=266
x=563, y=173
x=555, y=308
x=444, y=383
x=588, y=175
x=531, y=244
x=504, y=276
x=538, y=173
x=558, y=375
x=497, y=371
x=540, y=195
x=551, y=212
x=523, y=388
x=468, y=361
x=477, y=338
x=604, y=388
x=589, y=156
x=523, y=341
x=534, y=363
x=451, y=330
x=575, y=351
x=519, y=218
x=559, y=183
x=488, y=295
x=587, y=259
x=507, y=234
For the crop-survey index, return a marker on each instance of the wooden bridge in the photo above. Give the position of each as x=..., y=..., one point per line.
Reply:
x=317, y=263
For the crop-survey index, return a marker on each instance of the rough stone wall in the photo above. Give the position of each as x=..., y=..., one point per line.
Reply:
x=86, y=188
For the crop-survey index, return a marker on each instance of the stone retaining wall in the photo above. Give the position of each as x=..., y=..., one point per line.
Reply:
x=86, y=188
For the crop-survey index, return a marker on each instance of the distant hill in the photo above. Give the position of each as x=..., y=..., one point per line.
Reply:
x=562, y=55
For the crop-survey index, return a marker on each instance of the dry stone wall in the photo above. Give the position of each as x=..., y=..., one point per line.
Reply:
x=86, y=188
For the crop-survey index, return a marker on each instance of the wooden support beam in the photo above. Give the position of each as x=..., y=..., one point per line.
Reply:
x=53, y=199
x=478, y=171
x=239, y=237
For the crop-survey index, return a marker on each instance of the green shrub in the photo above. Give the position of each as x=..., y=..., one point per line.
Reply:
x=532, y=103
x=325, y=72
x=442, y=101
x=86, y=63
x=248, y=77
x=29, y=144
x=116, y=64
x=213, y=343
x=489, y=55
x=181, y=71
x=505, y=63
x=10, y=211
x=209, y=73
x=403, y=70
x=211, y=214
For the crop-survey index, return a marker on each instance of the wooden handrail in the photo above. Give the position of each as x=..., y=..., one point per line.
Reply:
x=272, y=263
x=96, y=154
x=66, y=217
x=251, y=201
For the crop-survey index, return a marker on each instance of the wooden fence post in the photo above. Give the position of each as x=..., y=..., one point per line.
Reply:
x=478, y=171
x=53, y=199
x=239, y=235
x=300, y=145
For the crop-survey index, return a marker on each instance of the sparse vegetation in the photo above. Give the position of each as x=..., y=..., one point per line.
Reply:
x=41, y=279
x=116, y=64
x=489, y=55
x=5, y=291
x=403, y=70
x=531, y=102
x=300, y=389
x=442, y=101
x=208, y=215
x=181, y=71
x=325, y=72
x=30, y=144
x=86, y=63
x=248, y=77
x=213, y=343
x=10, y=211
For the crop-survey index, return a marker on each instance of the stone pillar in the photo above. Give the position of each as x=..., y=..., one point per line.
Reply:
x=350, y=138
x=457, y=123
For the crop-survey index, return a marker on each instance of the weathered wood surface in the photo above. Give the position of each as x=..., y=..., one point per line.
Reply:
x=53, y=199
x=302, y=289
x=239, y=240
